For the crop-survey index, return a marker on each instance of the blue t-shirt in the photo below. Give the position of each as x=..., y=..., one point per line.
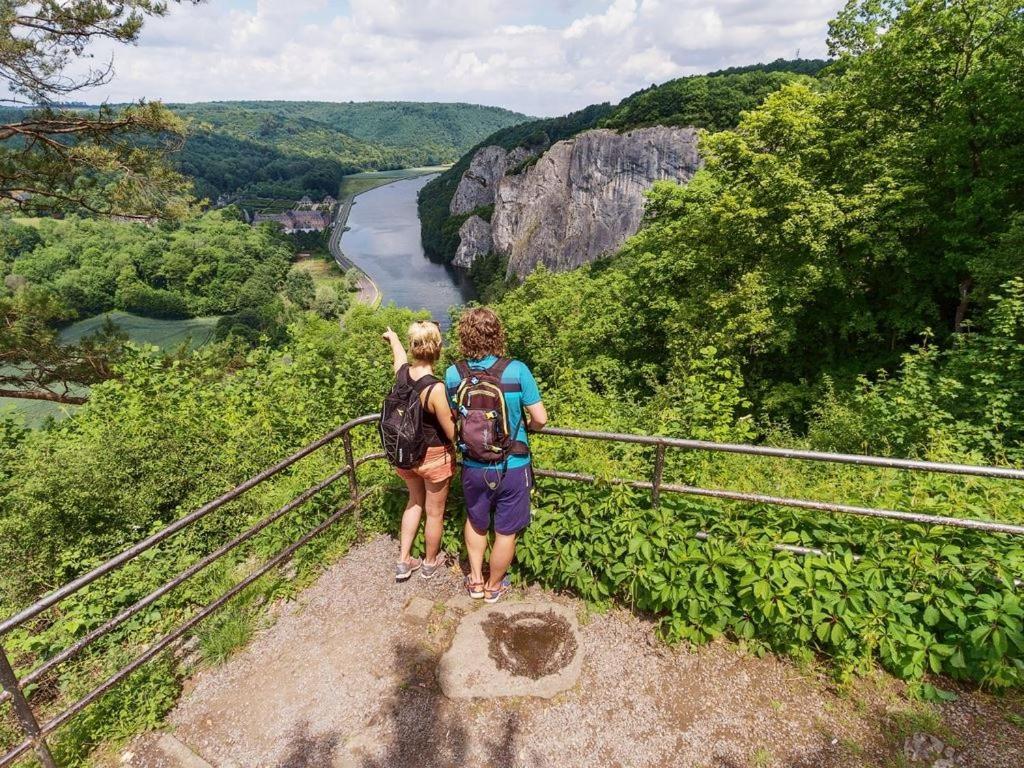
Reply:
x=516, y=401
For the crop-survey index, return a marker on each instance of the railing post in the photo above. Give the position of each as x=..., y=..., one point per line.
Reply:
x=23, y=710
x=659, y=469
x=353, y=483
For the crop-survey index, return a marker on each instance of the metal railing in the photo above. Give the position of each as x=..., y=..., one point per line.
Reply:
x=36, y=732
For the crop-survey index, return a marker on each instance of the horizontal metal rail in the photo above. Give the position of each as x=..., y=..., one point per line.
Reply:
x=791, y=453
x=209, y=609
x=132, y=552
x=757, y=498
x=36, y=733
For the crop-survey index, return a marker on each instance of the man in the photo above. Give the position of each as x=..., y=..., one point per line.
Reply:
x=496, y=484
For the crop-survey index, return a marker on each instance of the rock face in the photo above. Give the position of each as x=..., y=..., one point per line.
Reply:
x=584, y=196
x=479, y=183
x=474, y=240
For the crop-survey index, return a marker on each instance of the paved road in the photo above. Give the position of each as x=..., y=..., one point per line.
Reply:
x=369, y=293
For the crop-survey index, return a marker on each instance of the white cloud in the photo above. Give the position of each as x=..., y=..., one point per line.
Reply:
x=535, y=56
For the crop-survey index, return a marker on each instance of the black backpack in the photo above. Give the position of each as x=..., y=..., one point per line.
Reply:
x=401, y=420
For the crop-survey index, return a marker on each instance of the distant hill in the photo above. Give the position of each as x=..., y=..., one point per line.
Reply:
x=713, y=101
x=453, y=127
x=289, y=148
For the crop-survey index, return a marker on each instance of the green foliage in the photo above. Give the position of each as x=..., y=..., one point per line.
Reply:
x=299, y=288
x=209, y=265
x=488, y=277
x=713, y=101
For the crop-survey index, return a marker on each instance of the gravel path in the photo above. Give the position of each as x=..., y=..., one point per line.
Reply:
x=341, y=680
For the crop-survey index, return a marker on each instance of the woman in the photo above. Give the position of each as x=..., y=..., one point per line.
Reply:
x=497, y=493
x=427, y=483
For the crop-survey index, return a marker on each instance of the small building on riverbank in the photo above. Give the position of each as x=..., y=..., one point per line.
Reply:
x=296, y=221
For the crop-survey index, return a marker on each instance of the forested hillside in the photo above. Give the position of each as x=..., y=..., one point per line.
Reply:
x=711, y=101
x=287, y=149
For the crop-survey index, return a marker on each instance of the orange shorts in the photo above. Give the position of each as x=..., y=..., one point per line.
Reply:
x=437, y=466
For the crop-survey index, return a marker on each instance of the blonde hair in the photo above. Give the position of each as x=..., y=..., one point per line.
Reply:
x=425, y=341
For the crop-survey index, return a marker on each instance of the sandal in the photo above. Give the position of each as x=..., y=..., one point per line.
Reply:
x=494, y=595
x=474, y=589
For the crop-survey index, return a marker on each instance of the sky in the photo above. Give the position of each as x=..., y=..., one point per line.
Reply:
x=540, y=57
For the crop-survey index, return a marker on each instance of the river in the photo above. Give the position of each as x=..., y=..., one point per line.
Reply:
x=383, y=238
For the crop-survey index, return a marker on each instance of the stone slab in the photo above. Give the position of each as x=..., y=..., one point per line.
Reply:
x=417, y=610
x=529, y=648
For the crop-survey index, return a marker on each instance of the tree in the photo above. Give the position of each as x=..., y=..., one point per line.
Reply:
x=34, y=365
x=100, y=160
x=299, y=287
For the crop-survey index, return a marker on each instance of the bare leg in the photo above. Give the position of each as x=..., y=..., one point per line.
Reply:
x=476, y=544
x=502, y=552
x=437, y=495
x=411, y=516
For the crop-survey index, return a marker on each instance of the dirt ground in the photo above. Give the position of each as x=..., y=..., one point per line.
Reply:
x=341, y=680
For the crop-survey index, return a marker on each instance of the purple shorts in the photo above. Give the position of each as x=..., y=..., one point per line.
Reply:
x=508, y=498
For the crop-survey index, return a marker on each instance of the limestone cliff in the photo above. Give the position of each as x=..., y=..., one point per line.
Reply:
x=584, y=196
x=474, y=240
x=580, y=200
x=479, y=183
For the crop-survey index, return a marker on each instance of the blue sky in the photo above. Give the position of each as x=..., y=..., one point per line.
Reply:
x=541, y=57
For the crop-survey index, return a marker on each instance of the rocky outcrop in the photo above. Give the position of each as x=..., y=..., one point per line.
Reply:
x=585, y=196
x=479, y=183
x=474, y=240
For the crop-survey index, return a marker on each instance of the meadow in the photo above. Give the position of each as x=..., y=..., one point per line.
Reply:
x=165, y=334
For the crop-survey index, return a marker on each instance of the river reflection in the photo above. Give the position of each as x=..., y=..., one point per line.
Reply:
x=384, y=240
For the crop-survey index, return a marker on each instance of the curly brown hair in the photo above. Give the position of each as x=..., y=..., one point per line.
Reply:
x=480, y=334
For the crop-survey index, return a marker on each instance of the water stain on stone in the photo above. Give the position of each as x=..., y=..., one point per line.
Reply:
x=530, y=644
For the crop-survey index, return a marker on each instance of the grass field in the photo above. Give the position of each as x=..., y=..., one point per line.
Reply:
x=357, y=183
x=324, y=272
x=166, y=334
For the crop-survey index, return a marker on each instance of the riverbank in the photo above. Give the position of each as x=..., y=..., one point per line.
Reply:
x=352, y=186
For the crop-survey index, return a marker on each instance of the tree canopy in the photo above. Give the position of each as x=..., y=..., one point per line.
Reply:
x=58, y=159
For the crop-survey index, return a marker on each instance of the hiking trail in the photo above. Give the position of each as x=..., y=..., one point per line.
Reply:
x=347, y=676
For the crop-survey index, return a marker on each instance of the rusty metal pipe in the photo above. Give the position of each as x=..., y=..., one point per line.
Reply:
x=153, y=650
x=790, y=453
x=134, y=551
x=23, y=711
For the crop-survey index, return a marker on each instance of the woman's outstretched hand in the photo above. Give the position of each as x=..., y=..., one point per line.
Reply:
x=398, y=356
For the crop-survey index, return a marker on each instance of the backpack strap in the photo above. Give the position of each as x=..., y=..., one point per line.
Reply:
x=497, y=371
x=424, y=382
x=518, y=448
x=463, y=368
